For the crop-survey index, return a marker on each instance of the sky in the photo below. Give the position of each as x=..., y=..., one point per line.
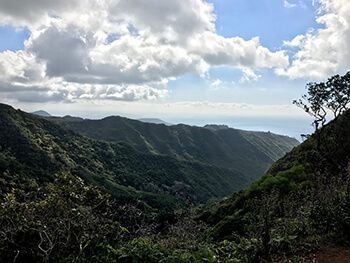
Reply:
x=236, y=62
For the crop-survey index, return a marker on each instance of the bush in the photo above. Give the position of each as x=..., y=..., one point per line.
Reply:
x=67, y=221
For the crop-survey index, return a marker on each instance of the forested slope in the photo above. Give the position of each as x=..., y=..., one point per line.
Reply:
x=250, y=153
x=301, y=203
x=34, y=149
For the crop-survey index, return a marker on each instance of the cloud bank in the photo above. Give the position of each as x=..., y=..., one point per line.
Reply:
x=129, y=50
x=324, y=51
x=118, y=49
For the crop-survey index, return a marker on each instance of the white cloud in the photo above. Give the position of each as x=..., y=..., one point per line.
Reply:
x=249, y=76
x=216, y=83
x=287, y=4
x=20, y=67
x=237, y=52
x=122, y=50
x=296, y=4
x=124, y=93
x=24, y=13
x=295, y=42
x=323, y=52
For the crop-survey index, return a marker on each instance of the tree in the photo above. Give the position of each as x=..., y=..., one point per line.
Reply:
x=332, y=95
x=314, y=103
x=339, y=94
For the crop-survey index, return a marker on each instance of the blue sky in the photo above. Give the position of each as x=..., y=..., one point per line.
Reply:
x=77, y=61
x=273, y=23
x=268, y=19
x=12, y=38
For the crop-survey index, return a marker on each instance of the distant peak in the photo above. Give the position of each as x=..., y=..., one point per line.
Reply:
x=42, y=113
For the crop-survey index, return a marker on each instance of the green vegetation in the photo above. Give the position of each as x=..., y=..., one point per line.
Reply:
x=64, y=221
x=70, y=198
x=249, y=153
x=32, y=149
x=65, y=197
x=302, y=202
x=332, y=95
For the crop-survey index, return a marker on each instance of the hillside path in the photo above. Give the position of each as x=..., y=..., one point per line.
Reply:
x=332, y=255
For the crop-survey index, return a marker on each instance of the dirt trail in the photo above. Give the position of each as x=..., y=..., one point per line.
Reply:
x=332, y=255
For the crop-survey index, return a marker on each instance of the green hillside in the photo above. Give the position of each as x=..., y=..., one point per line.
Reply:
x=250, y=153
x=299, y=211
x=301, y=204
x=66, y=197
x=34, y=149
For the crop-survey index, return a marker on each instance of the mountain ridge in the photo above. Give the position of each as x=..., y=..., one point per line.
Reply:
x=249, y=152
x=299, y=205
x=155, y=121
x=49, y=168
x=41, y=113
x=33, y=148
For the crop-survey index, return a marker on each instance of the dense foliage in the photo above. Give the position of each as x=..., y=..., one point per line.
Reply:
x=250, y=153
x=68, y=198
x=32, y=149
x=64, y=221
x=51, y=209
x=301, y=203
